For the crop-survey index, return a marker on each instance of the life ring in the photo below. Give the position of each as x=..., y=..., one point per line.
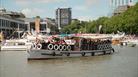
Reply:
x=99, y=47
x=39, y=46
x=56, y=47
x=33, y=46
x=104, y=46
x=50, y=46
x=64, y=47
x=107, y=46
x=68, y=47
x=60, y=48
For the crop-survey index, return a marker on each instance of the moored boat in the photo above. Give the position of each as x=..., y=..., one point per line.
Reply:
x=129, y=42
x=16, y=45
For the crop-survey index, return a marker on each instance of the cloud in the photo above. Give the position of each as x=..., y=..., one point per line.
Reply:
x=28, y=2
x=22, y=2
x=87, y=5
x=32, y=12
x=85, y=18
x=81, y=8
x=91, y=2
x=49, y=1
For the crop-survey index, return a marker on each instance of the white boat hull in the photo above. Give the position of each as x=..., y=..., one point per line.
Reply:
x=14, y=48
x=129, y=42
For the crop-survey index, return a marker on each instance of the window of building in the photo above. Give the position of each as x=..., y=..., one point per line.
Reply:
x=42, y=27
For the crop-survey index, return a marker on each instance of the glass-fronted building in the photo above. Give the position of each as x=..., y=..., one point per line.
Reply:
x=63, y=17
x=13, y=24
x=8, y=25
x=10, y=22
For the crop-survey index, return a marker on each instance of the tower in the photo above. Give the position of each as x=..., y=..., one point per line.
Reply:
x=63, y=17
x=37, y=24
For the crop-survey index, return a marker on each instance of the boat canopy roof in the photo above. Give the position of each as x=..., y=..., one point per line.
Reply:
x=87, y=36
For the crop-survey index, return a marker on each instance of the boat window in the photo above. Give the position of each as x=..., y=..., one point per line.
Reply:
x=21, y=43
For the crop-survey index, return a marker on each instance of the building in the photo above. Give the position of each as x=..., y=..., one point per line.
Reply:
x=34, y=24
x=13, y=23
x=120, y=6
x=63, y=17
x=117, y=3
x=10, y=22
x=120, y=9
x=39, y=25
x=51, y=26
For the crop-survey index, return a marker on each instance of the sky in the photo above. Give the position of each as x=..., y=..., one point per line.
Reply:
x=81, y=9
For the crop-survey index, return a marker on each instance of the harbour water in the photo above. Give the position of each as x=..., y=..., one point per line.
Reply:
x=123, y=63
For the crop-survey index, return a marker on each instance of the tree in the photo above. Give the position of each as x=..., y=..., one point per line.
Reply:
x=126, y=22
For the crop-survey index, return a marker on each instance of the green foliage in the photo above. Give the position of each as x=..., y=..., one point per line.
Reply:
x=126, y=22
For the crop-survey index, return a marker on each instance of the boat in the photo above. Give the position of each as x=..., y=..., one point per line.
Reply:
x=71, y=45
x=116, y=38
x=129, y=42
x=16, y=45
x=22, y=43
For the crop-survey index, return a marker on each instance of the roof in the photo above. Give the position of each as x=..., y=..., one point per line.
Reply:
x=12, y=14
x=27, y=19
